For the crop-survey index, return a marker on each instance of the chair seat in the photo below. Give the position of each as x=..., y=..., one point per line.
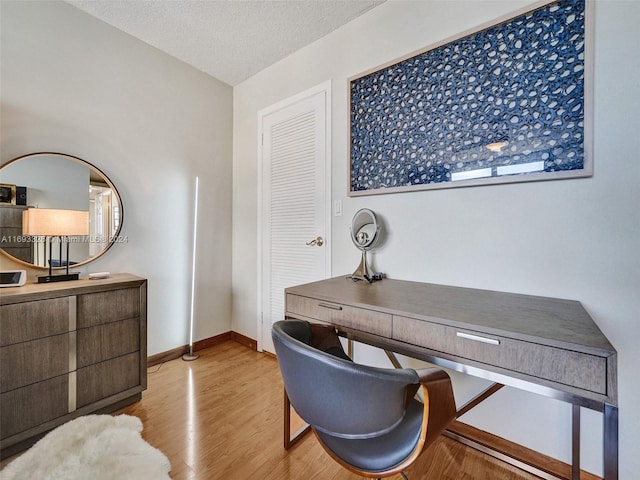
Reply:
x=383, y=452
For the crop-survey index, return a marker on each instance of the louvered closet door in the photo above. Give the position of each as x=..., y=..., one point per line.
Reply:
x=294, y=156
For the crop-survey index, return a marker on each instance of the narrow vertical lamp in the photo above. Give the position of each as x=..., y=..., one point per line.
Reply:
x=192, y=356
x=49, y=223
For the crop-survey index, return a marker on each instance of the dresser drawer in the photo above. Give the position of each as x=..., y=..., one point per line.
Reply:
x=11, y=216
x=568, y=367
x=352, y=317
x=110, y=306
x=33, y=405
x=11, y=237
x=102, y=342
x=30, y=362
x=104, y=379
x=31, y=320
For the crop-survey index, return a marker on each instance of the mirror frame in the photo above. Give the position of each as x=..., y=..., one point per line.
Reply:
x=109, y=183
x=360, y=219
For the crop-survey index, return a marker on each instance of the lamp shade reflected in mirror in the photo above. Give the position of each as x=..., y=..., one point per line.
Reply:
x=48, y=181
x=55, y=222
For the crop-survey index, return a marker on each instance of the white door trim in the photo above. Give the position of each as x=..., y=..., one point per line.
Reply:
x=326, y=88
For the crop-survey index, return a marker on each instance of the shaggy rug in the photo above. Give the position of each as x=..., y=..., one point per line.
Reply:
x=93, y=447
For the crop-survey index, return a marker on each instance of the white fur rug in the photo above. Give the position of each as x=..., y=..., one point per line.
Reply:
x=93, y=447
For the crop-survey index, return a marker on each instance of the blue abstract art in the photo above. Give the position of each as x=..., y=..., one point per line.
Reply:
x=504, y=104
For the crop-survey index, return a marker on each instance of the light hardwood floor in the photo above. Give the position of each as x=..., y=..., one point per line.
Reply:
x=220, y=417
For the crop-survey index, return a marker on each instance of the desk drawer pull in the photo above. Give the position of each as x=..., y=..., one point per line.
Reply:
x=478, y=338
x=332, y=307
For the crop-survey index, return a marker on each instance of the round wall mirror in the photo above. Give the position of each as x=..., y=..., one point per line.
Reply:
x=57, y=181
x=365, y=234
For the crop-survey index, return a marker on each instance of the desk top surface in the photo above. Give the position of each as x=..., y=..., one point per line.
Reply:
x=562, y=323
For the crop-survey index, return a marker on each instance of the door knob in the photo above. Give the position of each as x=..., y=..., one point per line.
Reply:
x=319, y=241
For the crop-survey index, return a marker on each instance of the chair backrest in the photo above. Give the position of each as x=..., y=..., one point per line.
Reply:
x=337, y=396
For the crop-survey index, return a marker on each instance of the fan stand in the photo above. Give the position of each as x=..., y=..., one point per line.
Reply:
x=363, y=272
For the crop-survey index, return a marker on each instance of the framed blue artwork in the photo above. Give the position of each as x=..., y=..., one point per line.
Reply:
x=508, y=102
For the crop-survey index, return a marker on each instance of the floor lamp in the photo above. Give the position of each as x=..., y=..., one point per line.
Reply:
x=191, y=355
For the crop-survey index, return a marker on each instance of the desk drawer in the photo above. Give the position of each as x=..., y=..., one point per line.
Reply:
x=352, y=317
x=568, y=367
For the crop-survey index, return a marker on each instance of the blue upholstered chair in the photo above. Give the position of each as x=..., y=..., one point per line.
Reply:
x=365, y=417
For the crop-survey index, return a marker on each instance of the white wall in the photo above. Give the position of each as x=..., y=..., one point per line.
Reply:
x=52, y=182
x=575, y=239
x=75, y=85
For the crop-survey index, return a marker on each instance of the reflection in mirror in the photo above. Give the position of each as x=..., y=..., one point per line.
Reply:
x=55, y=180
x=365, y=234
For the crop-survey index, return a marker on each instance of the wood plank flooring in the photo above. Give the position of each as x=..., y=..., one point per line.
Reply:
x=220, y=417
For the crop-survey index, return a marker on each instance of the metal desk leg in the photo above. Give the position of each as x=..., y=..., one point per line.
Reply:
x=575, y=442
x=610, y=442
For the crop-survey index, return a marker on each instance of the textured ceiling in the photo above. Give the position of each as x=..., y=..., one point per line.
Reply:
x=228, y=39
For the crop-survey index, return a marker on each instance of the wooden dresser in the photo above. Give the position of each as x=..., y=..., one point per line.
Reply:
x=69, y=349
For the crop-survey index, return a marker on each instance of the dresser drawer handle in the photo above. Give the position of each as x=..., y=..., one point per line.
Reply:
x=478, y=338
x=332, y=307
